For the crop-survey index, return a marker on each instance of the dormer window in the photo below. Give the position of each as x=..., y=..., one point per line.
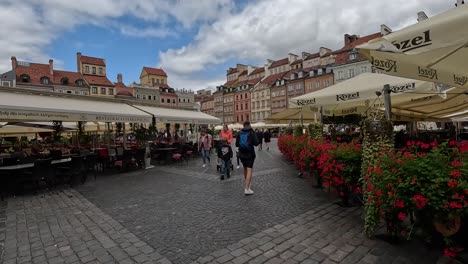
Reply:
x=353, y=56
x=292, y=76
x=277, y=83
x=320, y=71
x=283, y=82
x=79, y=82
x=301, y=74
x=45, y=80
x=64, y=81
x=311, y=73
x=24, y=78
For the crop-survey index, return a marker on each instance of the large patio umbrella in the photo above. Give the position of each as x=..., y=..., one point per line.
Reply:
x=365, y=91
x=304, y=114
x=434, y=49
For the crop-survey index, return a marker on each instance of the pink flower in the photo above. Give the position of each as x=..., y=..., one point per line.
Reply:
x=399, y=204
x=402, y=216
x=455, y=205
x=420, y=201
x=456, y=163
x=455, y=173
x=378, y=192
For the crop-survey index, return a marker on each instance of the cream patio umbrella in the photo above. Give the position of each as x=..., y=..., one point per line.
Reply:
x=295, y=114
x=358, y=94
x=434, y=49
x=236, y=126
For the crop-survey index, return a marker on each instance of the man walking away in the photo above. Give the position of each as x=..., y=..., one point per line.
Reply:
x=225, y=155
x=260, y=139
x=267, y=138
x=246, y=141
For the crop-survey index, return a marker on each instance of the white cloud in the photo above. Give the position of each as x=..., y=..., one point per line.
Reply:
x=32, y=25
x=271, y=29
x=195, y=83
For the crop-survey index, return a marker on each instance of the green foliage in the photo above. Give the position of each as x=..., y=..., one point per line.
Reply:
x=289, y=131
x=58, y=129
x=315, y=131
x=298, y=131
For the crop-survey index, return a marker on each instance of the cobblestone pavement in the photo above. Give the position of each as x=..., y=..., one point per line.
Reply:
x=185, y=214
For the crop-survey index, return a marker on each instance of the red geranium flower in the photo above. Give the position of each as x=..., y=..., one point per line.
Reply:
x=455, y=173
x=452, y=183
x=452, y=143
x=420, y=201
x=378, y=192
x=402, y=216
x=456, y=163
x=400, y=180
x=413, y=181
x=455, y=205
x=399, y=204
x=449, y=252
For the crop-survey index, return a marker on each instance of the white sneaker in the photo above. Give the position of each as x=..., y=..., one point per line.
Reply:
x=237, y=167
x=204, y=165
x=248, y=191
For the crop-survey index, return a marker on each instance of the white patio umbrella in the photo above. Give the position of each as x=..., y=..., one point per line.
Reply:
x=235, y=126
x=434, y=49
x=218, y=127
x=258, y=125
x=358, y=94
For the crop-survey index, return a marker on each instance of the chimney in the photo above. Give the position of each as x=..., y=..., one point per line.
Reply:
x=384, y=30
x=78, y=57
x=304, y=55
x=348, y=39
x=323, y=51
x=119, y=78
x=51, y=66
x=422, y=16
x=14, y=63
x=292, y=57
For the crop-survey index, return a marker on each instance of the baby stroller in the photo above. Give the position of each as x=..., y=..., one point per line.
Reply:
x=219, y=165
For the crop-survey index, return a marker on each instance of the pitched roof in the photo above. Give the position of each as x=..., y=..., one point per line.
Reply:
x=254, y=81
x=92, y=60
x=258, y=70
x=299, y=61
x=35, y=71
x=230, y=83
x=279, y=63
x=359, y=41
x=120, y=85
x=312, y=56
x=243, y=73
x=125, y=93
x=231, y=71
x=162, y=85
x=71, y=76
x=155, y=71
x=97, y=80
x=272, y=78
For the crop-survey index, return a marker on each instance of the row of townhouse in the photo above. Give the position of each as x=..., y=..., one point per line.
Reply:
x=91, y=79
x=255, y=93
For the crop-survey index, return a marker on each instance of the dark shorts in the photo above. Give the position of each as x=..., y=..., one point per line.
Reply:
x=267, y=140
x=247, y=162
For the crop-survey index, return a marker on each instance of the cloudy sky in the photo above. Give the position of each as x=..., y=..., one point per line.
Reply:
x=195, y=41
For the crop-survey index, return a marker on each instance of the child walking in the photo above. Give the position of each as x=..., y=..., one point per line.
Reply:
x=225, y=155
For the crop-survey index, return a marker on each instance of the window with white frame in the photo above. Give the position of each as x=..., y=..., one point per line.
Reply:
x=351, y=73
x=317, y=85
x=290, y=88
x=340, y=75
x=309, y=86
x=363, y=69
x=327, y=83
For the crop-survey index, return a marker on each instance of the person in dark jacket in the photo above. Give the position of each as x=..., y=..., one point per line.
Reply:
x=267, y=138
x=246, y=141
x=225, y=155
x=260, y=139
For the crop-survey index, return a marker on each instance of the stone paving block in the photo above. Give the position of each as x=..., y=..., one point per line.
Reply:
x=274, y=261
x=270, y=253
x=309, y=261
x=298, y=248
x=328, y=249
x=338, y=255
x=318, y=256
x=369, y=259
x=238, y=252
x=241, y=259
x=267, y=246
x=220, y=252
x=258, y=260
x=255, y=252
x=225, y=258
x=288, y=254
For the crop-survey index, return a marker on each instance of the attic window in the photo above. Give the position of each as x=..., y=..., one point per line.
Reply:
x=353, y=56
x=79, y=82
x=24, y=78
x=45, y=80
x=64, y=81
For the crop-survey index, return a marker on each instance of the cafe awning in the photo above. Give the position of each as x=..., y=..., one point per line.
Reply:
x=294, y=114
x=30, y=107
x=434, y=49
x=169, y=115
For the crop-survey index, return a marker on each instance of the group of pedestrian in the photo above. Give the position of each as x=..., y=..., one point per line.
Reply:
x=263, y=136
x=246, y=141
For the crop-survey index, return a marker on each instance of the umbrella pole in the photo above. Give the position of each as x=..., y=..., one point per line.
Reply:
x=388, y=102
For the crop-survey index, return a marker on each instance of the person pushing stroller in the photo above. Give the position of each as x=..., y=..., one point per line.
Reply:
x=225, y=155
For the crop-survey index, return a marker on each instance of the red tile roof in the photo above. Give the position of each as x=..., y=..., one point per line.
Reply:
x=279, y=63
x=155, y=71
x=125, y=93
x=359, y=41
x=296, y=62
x=98, y=80
x=35, y=71
x=230, y=83
x=92, y=60
x=162, y=85
x=272, y=78
x=231, y=71
x=71, y=76
x=258, y=70
x=254, y=81
x=120, y=85
x=312, y=56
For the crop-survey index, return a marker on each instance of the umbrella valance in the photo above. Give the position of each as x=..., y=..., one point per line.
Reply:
x=434, y=49
x=358, y=94
x=167, y=115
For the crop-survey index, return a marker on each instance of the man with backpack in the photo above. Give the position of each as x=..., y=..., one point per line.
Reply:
x=246, y=141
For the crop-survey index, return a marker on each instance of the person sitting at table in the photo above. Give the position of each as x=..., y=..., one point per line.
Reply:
x=36, y=147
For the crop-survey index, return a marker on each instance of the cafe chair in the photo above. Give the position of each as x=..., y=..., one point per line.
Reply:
x=74, y=172
x=41, y=172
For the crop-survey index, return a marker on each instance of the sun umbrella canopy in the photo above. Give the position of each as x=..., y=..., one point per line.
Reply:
x=434, y=49
x=358, y=94
x=235, y=126
x=295, y=114
x=167, y=115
